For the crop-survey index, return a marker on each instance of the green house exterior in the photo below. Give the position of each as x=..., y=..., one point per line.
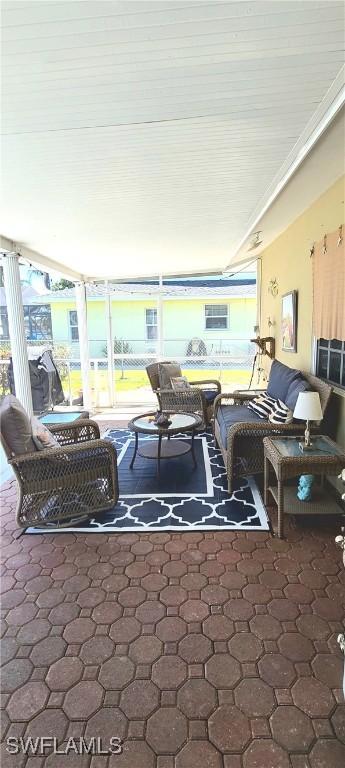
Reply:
x=219, y=320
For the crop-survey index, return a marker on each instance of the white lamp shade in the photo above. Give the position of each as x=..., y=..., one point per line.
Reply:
x=308, y=407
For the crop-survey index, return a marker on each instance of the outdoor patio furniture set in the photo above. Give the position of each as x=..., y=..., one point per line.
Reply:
x=239, y=431
x=76, y=474
x=175, y=393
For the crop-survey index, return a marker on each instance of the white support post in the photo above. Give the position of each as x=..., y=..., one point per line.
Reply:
x=15, y=312
x=258, y=294
x=110, y=347
x=80, y=294
x=160, y=338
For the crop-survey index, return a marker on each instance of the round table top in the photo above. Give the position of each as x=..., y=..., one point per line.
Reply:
x=180, y=422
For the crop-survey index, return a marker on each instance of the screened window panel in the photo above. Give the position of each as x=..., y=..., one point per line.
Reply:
x=73, y=324
x=216, y=316
x=213, y=310
x=151, y=332
x=151, y=324
x=323, y=364
x=335, y=344
x=331, y=361
x=151, y=317
x=334, y=366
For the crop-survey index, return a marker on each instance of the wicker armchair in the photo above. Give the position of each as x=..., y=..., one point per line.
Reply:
x=243, y=454
x=191, y=400
x=74, y=480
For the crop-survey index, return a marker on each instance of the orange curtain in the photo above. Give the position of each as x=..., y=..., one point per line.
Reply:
x=329, y=289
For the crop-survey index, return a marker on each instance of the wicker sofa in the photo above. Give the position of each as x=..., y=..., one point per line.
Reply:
x=239, y=432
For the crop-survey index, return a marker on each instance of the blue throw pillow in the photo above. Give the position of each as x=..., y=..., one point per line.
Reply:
x=280, y=379
x=297, y=386
x=210, y=394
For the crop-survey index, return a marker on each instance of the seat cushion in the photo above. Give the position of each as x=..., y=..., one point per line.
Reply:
x=296, y=386
x=16, y=427
x=280, y=379
x=227, y=415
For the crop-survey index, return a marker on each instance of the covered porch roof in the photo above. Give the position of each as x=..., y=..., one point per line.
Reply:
x=142, y=138
x=128, y=292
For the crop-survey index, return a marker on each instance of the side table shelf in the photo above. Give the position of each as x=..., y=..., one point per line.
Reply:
x=322, y=503
x=282, y=454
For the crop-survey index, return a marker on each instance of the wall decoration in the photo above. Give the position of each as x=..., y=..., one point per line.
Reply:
x=289, y=322
x=273, y=287
x=305, y=485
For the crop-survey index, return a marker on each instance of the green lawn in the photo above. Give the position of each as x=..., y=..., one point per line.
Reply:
x=136, y=378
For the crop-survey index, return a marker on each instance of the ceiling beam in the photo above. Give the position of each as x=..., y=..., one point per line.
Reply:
x=154, y=276
x=38, y=259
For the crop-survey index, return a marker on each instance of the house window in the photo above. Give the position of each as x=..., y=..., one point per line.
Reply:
x=216, y=317
x=330, y=361
x=73, y=325
x=151, y=324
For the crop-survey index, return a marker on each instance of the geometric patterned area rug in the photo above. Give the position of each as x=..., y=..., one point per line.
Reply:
x=183, y=498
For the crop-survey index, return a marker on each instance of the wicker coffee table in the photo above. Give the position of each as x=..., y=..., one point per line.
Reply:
x=164, y=449
x=325, y=458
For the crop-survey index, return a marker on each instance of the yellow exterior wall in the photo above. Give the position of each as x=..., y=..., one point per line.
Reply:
x=182, y=320
x=287, y=259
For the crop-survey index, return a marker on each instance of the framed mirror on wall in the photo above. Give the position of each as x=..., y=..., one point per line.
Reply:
x=289, y=322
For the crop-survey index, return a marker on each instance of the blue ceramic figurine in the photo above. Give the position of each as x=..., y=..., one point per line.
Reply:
x=304, y=492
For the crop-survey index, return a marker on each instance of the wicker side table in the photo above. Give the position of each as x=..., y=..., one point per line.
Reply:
x=283, y=453
x=62, y=417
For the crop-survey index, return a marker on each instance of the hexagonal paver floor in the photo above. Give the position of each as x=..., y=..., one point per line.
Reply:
x=212, y=649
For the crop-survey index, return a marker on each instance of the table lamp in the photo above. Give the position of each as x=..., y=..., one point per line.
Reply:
x=308, y=408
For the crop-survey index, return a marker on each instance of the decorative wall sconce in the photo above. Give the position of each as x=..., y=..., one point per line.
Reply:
x=270, y=323
x=273, y=287
x=340, y=235
x=256, y=240
x=312, y=250
x=324, y=249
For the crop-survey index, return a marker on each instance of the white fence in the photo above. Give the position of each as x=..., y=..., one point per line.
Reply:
x=229, y=361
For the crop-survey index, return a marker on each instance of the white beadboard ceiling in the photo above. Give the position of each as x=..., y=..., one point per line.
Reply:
x=140, y=137
x=324, y=164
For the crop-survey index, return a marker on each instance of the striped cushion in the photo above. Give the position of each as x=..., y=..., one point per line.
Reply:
x=262, y=405
x=280, y=414
x=180, y=383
